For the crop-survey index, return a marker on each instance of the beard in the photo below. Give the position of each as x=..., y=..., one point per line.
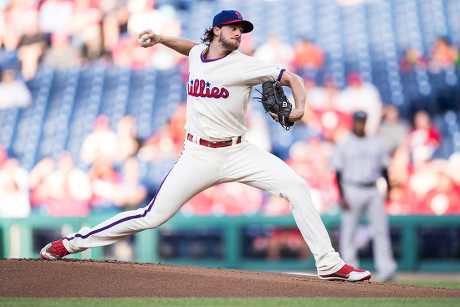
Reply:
x=229, y=44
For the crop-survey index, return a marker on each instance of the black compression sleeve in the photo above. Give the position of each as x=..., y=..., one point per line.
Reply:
x=338, y=176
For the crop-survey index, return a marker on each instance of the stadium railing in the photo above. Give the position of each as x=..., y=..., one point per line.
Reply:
x=19, y=240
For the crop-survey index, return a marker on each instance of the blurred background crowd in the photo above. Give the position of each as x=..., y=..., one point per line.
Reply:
x=91, y=122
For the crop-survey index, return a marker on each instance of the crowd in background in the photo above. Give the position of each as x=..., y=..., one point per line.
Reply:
x=66, y=33
x=63, y=34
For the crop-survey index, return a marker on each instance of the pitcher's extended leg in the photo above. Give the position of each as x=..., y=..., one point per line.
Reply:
x=181, y=184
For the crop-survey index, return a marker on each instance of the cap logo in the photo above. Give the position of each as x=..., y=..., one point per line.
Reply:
x=239, y=15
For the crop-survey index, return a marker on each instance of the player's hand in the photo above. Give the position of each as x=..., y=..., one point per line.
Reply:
x=295, y=115
x=344, y=204
x=273, y=115
x=149, y=34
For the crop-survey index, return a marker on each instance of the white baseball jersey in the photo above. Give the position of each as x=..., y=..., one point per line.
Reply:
x=219, y=91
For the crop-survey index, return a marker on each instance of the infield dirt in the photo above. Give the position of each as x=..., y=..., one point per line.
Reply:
x=86, y=278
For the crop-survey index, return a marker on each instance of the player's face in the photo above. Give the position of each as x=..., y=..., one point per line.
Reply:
x=230, y=36
x=359, y=127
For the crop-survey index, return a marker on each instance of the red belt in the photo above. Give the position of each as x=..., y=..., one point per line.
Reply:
x=214, y=144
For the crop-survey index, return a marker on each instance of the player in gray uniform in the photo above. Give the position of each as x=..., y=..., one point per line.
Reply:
x=359, y=160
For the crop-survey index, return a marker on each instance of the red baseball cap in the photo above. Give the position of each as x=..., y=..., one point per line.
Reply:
x=230, y=16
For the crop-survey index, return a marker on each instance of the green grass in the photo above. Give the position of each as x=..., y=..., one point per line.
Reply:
x=243, y=302
x=436, y=284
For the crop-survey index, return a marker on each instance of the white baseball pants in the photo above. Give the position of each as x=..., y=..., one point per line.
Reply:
x=201, y=167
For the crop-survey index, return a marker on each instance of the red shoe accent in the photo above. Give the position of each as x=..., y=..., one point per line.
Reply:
x=56, y=250
x=348, y=273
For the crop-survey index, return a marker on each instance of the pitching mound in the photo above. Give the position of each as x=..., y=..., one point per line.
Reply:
x=77, y=278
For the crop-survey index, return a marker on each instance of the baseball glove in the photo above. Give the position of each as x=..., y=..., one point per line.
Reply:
x=274, y=100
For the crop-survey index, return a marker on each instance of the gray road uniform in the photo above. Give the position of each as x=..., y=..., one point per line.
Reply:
x=360, y=161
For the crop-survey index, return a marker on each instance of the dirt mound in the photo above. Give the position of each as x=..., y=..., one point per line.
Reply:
x=82, y=278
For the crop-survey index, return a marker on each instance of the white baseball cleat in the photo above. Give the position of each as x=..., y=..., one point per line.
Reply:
x=348, y=273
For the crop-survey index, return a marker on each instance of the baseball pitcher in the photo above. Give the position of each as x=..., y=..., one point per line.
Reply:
x=219, y=86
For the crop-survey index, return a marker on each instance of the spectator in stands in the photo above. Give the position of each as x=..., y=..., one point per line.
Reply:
x=114, y=23
x=54, y=15
x=39, y=181
x=3, y=156
x=258, y=131
x=393, y=129
x=397, y=202
x=164, y=59
x=123, y=51
x=101, y=143
x=105, y=182
x=275, y=206
x=176, y=127
x=333, y=123
x=398, y=170
x=132, y=191
x=412, y=59
x=310, y=160
x=282, y=242
x=69, y=189
x=3, y=30
x=93, y=45
x=233, y=199
x=86, y=16
x=14, y=190
x=159, y=146
x=247, y=45
x=275, y=51
x=423, y=177
x=201, y=204
x=127, y=142
x=8, y=43
x=445, y=197
x=315, y=93
x=128, y=53
x=364, y=96
x=62, y=54
x=14, y=25
x=308, y=58
x=144, y=15
x=159, y=152
x=454, y=169
x=286, y=243
x=423, y=134
x=442, y=56
x=32, y=45
x=13, y=91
